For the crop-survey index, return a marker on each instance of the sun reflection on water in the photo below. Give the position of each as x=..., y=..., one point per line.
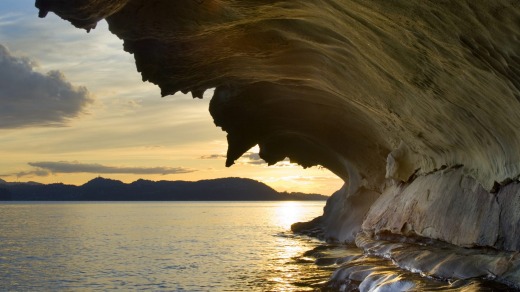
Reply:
x=161, y=246
x=287, y=269
x=288, y=213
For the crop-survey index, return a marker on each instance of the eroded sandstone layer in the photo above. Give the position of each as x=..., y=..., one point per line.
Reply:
x=415, y=104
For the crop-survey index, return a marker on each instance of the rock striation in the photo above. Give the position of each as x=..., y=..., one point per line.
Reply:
x=415, y=104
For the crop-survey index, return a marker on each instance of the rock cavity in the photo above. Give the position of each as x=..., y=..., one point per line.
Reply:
x=415, y=104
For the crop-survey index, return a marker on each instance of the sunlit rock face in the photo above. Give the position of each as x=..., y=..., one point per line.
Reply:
x=415, y=104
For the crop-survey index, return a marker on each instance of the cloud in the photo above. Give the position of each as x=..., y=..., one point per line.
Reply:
x=214, y=156
x=46, y=168
x=246, y=158
x=252, y=158
x=30, y=98
x=37, y=172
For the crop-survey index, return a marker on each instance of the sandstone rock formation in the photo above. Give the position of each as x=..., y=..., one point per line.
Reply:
x=415, y=104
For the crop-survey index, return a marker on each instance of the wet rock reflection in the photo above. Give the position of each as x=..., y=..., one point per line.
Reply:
x=379, y=268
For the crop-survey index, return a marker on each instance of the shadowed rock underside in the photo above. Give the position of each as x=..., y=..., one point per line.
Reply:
x=414, y=104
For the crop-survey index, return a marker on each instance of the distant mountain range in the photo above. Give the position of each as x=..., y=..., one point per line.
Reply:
x=103, y=189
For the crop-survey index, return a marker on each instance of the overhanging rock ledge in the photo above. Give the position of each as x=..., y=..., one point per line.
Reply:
x=415, y=104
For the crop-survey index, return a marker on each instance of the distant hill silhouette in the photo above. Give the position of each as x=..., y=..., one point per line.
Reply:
x=103, y=189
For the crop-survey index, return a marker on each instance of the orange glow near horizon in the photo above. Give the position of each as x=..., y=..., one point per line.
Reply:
x=128, y=125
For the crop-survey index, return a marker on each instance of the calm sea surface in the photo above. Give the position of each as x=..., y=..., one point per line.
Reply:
x=159, y=246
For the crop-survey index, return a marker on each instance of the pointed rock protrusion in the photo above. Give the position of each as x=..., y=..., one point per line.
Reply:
x=44, y=9
x=197, y=93
x=237, y=146
x=42, y=13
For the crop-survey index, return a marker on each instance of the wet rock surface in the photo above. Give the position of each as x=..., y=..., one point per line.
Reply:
x=387, y=265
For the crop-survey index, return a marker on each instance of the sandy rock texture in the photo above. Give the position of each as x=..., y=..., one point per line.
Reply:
x=415, y=104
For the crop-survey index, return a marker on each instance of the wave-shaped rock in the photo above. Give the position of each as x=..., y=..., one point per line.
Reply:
x=415, y=104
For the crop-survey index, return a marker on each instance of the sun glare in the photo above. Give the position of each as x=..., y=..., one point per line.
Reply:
x=289, y=213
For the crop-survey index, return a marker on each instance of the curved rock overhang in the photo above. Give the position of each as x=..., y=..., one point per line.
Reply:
x=376, y=91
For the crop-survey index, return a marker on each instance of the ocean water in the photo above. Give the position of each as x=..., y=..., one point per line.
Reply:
x=191, y=246
x=159, y=246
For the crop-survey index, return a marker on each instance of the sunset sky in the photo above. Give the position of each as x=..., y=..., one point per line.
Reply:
x=73, y=107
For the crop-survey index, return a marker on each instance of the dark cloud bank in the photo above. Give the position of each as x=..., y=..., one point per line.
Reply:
x=47, y=168
x=29, y=98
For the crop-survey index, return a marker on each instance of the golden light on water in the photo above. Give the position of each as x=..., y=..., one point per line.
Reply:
x=288, y=213
x=285, y=267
